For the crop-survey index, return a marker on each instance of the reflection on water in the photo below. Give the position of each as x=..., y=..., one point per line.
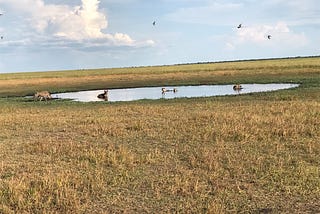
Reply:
x=130, y=94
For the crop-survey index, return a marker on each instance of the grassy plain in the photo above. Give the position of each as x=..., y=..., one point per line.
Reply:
x=256, y=153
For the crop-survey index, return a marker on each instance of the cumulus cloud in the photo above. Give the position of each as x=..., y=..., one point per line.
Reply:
x=83, y=22
x=257, y=34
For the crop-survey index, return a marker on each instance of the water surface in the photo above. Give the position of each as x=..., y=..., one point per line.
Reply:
x=130, y=94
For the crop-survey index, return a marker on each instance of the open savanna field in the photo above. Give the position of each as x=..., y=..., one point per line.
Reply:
x=254, y=153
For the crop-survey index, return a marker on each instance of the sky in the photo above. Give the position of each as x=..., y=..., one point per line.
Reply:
x=49, y=35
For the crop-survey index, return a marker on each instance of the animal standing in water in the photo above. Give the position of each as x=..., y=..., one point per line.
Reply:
x=42, y=95
x=164, y=90
x=104, y=95
x=237, y=87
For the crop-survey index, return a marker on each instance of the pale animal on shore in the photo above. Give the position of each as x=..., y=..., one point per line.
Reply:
x=42, y=95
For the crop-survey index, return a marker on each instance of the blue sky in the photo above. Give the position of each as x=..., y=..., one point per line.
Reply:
x=45, y=35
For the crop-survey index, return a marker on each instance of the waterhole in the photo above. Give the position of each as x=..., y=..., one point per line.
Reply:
x=131, y=94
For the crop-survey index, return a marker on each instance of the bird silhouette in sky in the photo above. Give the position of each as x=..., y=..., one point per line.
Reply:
x=269, y=36
x=239, y=26
x=154, y=23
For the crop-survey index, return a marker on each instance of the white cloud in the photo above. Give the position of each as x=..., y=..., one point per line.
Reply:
x=281, y=36
x=84, y=22
x=253, y=33
x=91, y=21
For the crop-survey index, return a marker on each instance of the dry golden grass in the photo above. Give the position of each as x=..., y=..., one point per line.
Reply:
x=204, y=155
x=242, y=154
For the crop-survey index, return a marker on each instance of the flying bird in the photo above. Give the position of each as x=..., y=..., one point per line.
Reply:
x=239, y=26
x=269, y=36
x=154, y=23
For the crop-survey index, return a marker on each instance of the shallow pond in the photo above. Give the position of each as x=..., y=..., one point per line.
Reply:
x=130, y=94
